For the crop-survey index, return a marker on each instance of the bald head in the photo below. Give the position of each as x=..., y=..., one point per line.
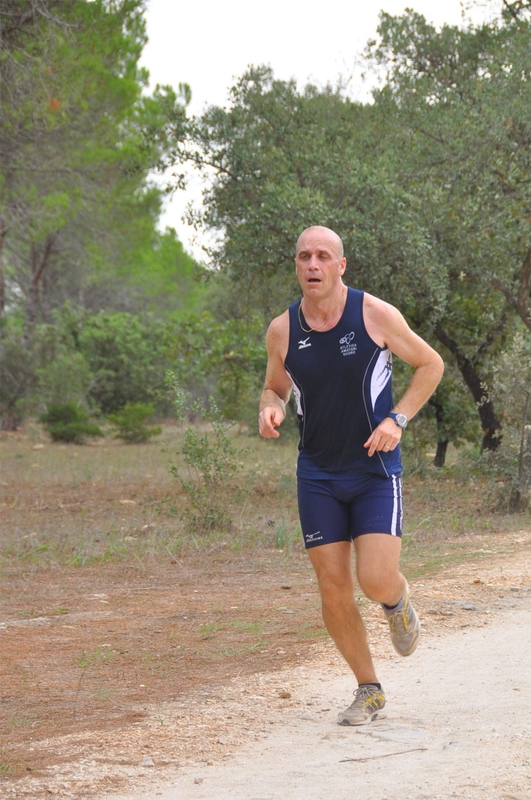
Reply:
x=324, y=234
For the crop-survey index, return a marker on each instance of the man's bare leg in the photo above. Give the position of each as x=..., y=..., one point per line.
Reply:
x=333, y=567
x=377, y=557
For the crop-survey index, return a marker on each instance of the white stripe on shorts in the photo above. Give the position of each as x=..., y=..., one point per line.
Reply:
x=396, y=520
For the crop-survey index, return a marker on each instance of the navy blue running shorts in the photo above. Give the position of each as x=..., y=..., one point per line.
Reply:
x=341, y=510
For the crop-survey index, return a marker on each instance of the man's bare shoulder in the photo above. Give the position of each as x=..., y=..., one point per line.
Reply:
x=278, y=332
x=381, y=318
x=378, y=308
x=277, y=338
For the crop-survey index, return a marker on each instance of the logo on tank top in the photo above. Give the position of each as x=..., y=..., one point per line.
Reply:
x=304, y=343
x=347, y=345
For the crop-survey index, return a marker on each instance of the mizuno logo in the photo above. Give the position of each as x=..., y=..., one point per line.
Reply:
x=312, y=537
x=304, y=343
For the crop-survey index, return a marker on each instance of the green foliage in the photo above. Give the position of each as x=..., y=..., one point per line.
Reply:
x=226, y=359
x=210, y=460
x=67, y=378
x=428, y=187
x=130, y=423
x=162, y=277
x=278, y=160
x=510, y=465
x=126, y=355
x=80, y=138
x=67, y=422
x=17, y=378
x=460, y=100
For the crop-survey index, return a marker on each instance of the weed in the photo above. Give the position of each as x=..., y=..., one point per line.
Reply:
x=77, y=559
x=308, y=631
x=253, y=628
x=99, y=655
x=87, y=660
x=148, y=656
x=284, y=538
x=207, y=630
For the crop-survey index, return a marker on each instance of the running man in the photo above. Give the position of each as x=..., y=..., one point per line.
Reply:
x=334, y=349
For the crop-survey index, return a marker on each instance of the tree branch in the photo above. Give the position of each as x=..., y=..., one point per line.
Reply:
x=519, y=302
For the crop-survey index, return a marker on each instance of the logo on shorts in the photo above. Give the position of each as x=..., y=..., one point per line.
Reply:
x=304, y=343
x=347, y=345
x=313, y=537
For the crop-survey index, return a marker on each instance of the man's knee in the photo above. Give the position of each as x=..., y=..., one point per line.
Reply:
x=377, y=570
x=336, y=586
x=378, y=582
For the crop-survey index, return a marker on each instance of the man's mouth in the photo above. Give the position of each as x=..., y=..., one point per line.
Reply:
x=314, y=280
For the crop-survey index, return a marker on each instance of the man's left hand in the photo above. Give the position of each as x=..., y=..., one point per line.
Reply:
x=384, y=438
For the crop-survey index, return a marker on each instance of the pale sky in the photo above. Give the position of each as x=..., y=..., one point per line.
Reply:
x=209, y=43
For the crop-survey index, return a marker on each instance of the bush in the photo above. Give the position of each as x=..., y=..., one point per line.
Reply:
x=130, y=423
x=127, y=357
x=64, y=379
x=212, y=463
x=67, y=422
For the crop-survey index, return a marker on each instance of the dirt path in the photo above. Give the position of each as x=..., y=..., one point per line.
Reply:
x=458, y=725
x=460, y=707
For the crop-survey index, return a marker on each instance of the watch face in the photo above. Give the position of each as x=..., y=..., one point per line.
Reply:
x=401, y=420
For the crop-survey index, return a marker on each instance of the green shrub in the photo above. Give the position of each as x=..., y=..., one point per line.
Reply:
x=130, y=423
x=211, y=461
x=127, y=357
x=65, y=378
x=67, y=422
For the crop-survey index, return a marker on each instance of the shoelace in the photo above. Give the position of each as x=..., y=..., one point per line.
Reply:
x=362, y=694
x=399, y=620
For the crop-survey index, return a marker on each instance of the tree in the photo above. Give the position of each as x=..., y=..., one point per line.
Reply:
x=462, y=99
x=279, y=160
x=79, y=139
x=429, y=186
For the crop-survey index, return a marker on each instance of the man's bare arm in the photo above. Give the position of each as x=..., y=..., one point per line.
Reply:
x=386, y=325
x=277, y=386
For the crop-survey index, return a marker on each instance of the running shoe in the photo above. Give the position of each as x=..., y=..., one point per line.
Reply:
x=368, y=702
x=405, y=626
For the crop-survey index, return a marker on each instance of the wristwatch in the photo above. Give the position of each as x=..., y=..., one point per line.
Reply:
x=400, y=419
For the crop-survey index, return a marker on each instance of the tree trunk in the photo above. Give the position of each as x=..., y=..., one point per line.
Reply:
x=39, y=262
x=3, y=232
x=440, y=455
x=490, y=423
x=519, y=301
x=442, y=442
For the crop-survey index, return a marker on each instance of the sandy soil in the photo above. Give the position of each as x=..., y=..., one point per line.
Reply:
x=458, y=711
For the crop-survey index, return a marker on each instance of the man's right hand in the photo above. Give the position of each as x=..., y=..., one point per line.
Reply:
x=270, y=418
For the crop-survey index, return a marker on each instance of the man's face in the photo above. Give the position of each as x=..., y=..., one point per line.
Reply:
x=319, y=263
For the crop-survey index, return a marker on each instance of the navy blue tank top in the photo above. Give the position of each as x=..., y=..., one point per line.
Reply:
x=343, y=389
